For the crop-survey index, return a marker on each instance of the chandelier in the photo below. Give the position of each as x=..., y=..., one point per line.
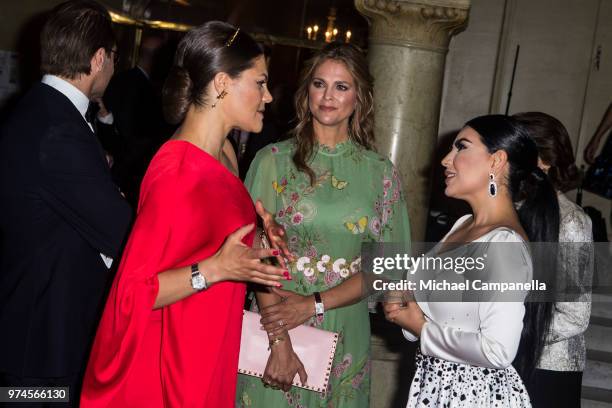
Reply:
x=331, y=32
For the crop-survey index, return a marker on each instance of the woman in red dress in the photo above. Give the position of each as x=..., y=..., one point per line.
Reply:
x=170, y=331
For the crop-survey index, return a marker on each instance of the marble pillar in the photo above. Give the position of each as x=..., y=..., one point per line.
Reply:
x=407, y=49
x=408, y=44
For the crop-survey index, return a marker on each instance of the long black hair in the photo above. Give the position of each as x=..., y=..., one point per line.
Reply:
x=539, y=216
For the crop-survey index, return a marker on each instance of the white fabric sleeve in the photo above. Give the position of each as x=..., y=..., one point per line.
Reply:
x=494, y=345
x=409, y=336
x=496, y=342
x=108, y=119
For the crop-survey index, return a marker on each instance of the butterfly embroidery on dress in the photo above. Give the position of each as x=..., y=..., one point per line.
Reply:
x=338, y=184
x=279, y=187
x=357, y=227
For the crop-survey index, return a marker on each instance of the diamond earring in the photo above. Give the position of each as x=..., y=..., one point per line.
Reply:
x=492, y=185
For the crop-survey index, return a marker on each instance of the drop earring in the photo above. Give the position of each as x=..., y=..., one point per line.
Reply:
x=219, y=97
x=492, y=185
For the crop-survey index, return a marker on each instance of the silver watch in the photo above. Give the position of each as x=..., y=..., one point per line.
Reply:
x=319, y=307
x=198, y=281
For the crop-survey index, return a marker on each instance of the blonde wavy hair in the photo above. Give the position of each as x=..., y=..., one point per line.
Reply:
x=361, y=122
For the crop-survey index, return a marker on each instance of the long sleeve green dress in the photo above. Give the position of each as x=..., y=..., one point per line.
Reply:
x=356, y=198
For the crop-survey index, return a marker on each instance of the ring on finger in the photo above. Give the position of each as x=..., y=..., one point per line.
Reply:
x=281, y=323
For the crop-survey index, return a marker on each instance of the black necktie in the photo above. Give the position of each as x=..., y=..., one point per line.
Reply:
x=90, y=115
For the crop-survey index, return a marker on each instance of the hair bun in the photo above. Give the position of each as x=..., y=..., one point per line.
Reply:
x=565, y=178
x=177, y=94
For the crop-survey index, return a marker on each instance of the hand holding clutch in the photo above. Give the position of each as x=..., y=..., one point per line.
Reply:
x=282, y=366
x=314, y=347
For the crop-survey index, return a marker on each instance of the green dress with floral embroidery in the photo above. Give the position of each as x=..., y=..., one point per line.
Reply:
x=356, y=198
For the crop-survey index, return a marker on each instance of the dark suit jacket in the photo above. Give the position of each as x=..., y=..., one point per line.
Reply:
x=59, y=209
x=141, y=130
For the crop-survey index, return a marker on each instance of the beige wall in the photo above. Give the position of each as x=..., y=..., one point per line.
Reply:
x=556, y=39
x=556, y=70
x=470, y=66
x=599, y=89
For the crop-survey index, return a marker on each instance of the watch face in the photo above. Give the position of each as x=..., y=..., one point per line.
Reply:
x=319, y=309
x=198, y=282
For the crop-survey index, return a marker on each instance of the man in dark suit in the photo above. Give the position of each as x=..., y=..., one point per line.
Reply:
x=62, y=220
x=133, y=98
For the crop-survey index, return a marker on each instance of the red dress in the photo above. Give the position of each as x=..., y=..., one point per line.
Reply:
x=185, y=354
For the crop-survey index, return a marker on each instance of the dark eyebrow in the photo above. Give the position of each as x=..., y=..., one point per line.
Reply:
x=463, y=139
x=318, y=79
x=265, y=77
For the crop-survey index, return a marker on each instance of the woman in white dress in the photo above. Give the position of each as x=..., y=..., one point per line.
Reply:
x=467, y=348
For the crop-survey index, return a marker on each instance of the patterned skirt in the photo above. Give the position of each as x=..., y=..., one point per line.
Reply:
x=444, y=384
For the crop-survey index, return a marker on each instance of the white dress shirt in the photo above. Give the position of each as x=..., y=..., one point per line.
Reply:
x=485, y=334
x=81, y=102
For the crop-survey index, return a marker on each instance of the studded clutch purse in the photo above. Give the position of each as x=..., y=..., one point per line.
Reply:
x=314, y=347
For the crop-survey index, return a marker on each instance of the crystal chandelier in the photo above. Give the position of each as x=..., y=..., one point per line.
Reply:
x=331, y=33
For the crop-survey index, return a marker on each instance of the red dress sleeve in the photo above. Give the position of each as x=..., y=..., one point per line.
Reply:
x=143, y=357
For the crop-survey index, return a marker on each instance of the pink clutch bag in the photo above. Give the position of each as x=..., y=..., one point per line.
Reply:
x=314, y=347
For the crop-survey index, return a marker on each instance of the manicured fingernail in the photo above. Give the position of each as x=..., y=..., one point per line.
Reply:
x=279, y=285
x=275, y=253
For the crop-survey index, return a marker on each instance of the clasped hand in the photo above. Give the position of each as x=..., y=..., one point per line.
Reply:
x=407, y=315
x=292, y=311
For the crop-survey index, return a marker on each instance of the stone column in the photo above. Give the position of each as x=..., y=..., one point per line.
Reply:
x=408, y=44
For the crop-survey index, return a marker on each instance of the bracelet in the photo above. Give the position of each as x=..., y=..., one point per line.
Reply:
x=275, y=342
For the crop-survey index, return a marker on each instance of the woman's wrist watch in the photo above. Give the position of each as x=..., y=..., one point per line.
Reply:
x=319, y=308
x=198, y=281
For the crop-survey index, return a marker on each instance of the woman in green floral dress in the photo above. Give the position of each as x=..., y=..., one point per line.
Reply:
x=331, y=192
